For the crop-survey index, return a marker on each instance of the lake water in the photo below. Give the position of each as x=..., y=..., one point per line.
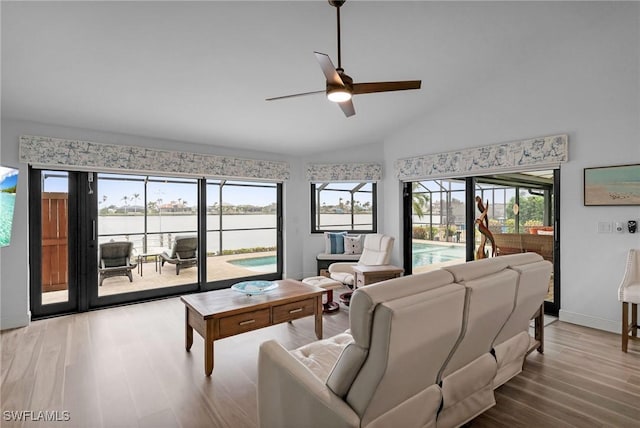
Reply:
x=7, y=204
x=160, y=227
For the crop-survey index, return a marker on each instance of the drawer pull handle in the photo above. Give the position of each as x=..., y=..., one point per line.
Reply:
x=247, y=322
x=293, y=311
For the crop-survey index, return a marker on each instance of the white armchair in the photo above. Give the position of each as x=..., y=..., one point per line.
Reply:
x=629, y=292
x=376, y=251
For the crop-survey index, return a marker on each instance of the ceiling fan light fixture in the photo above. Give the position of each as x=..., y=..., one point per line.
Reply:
x=338, y=95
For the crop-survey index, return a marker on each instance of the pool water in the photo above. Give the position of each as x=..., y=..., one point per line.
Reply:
x=258, y=264
x=7, y=203
x=428, y=254
x=423, y=254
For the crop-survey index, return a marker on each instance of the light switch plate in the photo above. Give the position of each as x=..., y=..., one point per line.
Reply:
x=604, y=227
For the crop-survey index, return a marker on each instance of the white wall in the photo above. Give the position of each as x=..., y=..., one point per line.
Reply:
x=14, y=270
x=314, y=243
x=583, y=79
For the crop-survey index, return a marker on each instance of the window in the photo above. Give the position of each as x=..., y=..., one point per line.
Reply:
x=343, y=206
x=243, y=238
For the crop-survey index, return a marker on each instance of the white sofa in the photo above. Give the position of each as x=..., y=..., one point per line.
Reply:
x=423, y=350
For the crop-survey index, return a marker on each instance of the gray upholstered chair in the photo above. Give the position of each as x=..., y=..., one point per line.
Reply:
x=183, y=253
x=629, y=292
x=115, y=260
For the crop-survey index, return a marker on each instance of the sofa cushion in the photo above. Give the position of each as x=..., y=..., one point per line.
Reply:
x=521, y=259
x=405, y=357
x=532, y=287
x=468, y=392
x=353, y=244
x=346, y=369
x=471, y=270
x=488, y=306
x=418, y=411
x=320, y=356
x=510, y=356
x=334, y=242
x=364, y=300
x=338, y=257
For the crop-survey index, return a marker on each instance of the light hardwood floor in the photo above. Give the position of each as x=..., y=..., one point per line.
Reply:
x=127, y=367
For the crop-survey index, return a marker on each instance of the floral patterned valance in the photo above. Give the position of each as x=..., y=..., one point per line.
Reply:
x=321, y=173
x=87, y=155
x=539, y=153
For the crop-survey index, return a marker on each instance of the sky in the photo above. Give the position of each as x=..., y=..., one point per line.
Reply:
x=179, y=188
x=8, y=177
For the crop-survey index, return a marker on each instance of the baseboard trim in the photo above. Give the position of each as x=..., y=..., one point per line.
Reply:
x=589, y=321
x=9, y=323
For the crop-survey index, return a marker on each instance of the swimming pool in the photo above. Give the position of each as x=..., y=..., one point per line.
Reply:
x=428, y=254
x=423, y=254
x=258, y=264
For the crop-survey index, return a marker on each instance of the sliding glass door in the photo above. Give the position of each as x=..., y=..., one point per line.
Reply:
x=452, y=220
x=243, y=231
x=100, y=239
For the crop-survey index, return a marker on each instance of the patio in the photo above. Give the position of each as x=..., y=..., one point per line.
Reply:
x=218, y=268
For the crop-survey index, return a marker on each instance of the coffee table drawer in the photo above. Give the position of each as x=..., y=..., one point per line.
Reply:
x=292, y=311
x=240, y=323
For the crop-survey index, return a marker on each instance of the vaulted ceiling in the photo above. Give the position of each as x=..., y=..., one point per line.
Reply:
x=200, y=71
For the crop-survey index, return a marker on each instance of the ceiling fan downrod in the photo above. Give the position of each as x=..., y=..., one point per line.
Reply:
x=337, y=4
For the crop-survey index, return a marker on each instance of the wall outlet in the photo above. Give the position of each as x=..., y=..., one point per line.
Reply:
x=604, y=227
x=619, y=227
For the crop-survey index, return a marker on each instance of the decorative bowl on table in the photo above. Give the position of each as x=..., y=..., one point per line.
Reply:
x=254, y=287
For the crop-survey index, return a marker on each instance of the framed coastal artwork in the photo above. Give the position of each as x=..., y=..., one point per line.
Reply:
x=612, y=185
x=8, y=185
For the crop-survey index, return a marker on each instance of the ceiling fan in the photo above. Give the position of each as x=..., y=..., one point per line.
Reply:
x=340, y=87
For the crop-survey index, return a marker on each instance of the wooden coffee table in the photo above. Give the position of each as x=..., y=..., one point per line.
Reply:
x=223, y=313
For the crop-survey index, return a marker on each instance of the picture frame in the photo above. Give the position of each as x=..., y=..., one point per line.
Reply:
x=617, y=185
x=8, y=186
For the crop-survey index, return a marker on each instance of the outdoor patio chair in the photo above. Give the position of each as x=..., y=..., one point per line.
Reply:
x=183, y=253
x=115, y=260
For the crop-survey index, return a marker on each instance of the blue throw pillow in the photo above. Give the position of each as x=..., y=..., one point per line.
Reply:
x=334, y=242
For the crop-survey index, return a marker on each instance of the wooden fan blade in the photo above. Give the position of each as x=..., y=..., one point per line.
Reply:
x=347, y=108
x=296, y=95
x=369, y=88
x=328, y=69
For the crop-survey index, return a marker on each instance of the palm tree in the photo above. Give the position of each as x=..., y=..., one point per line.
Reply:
x=125, y=198
x=135, y=197
x=419, y=200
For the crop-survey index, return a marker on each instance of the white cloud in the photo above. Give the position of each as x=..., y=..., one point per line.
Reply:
x=7, y=172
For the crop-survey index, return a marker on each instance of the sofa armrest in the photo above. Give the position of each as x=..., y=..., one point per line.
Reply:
x=342, y=267
x=290, y=395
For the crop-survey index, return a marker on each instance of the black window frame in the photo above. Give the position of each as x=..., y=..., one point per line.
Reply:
x=374, y=207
